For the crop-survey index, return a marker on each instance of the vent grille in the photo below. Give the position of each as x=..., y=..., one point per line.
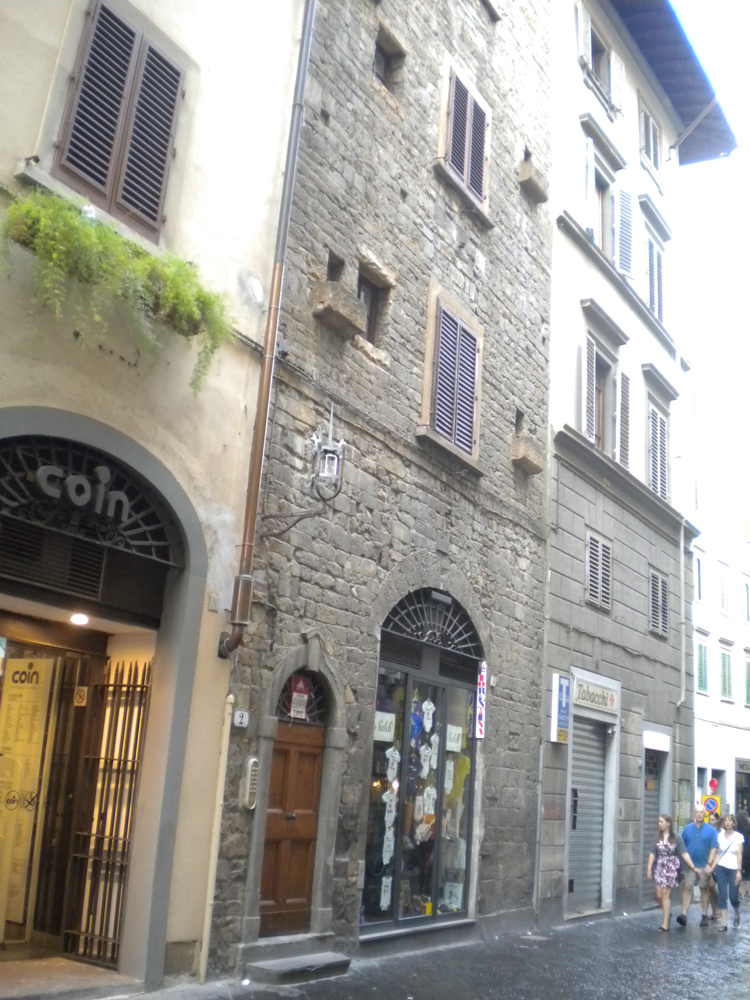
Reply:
x=395, y=649
x=180, y=957
x=458, y=668
x=31, y=554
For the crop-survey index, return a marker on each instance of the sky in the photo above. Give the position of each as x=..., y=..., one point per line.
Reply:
x=710, y=273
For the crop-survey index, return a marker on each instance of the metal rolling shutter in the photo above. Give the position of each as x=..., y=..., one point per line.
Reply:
x=587, y=817
x=651, y=794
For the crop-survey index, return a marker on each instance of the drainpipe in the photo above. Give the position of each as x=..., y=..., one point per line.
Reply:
x=683, y=663
x=215, y=833
x=239, y=617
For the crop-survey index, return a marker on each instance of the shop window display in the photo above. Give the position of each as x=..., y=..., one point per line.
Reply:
x=418, y=835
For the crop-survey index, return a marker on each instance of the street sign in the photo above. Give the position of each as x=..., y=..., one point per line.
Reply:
x=560, y=721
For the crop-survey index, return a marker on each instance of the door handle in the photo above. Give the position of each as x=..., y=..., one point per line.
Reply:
x=291, y=815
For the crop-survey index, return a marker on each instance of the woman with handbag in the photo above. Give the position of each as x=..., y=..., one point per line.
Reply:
x=664, y=865
x=727, y=869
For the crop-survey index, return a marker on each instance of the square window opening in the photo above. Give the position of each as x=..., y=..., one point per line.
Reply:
x=388, y=62
x=335, y=268
x=370, y=294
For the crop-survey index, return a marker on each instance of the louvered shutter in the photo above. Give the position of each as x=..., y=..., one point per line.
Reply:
x=654, y=602
x=658, y=457
x=652, y=300
x=606, y=576
x=594, y=571
x=726, y=675
x=618, y=89
x=663, y=489
x=149, y=137
x=589, y=391
x=583, y=22
x=747, y=685
x=702, y=668
x=476, y=159
x=93, y=132
x=624, y=236
x=664, y=607
x=455, y=384
x=659, y=283
x=624, y=421
x=592, y=202
x=655, y=158
x=458, y=121
x=647, y=147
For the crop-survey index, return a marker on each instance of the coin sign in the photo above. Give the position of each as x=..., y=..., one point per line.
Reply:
x=11, y=800
x=29, y=801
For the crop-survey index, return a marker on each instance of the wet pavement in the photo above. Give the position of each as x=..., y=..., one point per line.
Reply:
x=623, y=958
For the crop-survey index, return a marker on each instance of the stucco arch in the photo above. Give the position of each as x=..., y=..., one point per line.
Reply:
x=310, y=655
x=150, y=869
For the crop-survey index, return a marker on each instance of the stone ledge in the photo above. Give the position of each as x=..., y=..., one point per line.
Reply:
x=527, y=453
x=299, y=968
x=338, y=309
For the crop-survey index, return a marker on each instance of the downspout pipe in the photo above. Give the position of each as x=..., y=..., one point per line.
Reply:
x=239, y=617
x=683, y=661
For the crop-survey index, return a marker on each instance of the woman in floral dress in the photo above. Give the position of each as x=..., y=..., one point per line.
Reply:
x=664, y=865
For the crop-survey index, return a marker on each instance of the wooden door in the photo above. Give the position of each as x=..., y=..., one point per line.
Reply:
x=291, y=829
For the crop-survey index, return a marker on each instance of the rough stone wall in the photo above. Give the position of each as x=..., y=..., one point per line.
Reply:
x=618, y=645
x=409, y=514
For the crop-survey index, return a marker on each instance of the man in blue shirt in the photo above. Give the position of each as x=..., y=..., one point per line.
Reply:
x=701, y=843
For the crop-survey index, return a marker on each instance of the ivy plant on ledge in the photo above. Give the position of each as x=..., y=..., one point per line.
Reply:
x=153, y=289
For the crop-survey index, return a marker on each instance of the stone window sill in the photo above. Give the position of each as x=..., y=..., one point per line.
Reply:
x=704, y=694
x=426, y=434
x=479, y=212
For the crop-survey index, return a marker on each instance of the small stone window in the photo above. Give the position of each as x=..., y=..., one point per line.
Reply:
x=369, y=294
x=388, y=62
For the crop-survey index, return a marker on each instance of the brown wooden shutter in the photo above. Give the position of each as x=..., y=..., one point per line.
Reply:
x=149, y=137
x=476, y=158
x=458, y=126
x=93, y=134
x=466, y=389
x=446, y=354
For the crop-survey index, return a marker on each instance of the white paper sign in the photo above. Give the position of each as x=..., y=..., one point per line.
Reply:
x=385, y=892
x=388, y=844
x=430, y=797
x=448, y=777
x=454, y=895
x=454, y=739
x=385, y=727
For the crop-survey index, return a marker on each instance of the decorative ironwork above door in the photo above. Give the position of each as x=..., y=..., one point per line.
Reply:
x=79, y=491
x=435, y=618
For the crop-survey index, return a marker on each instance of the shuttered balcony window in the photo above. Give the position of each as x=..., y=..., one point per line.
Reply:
x=702, y=670
x=118, y=133
x=466, y=149
x=599, y=573
x=454, y=394
x=658, y=601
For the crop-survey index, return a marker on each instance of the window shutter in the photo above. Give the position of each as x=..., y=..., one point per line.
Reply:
x=592, y=206
x=726, y=675
x=583, y=21
x=466, y=389
x=647, y=147
x=624, y=239
x=618, y=89
x=702, y=668
x=654, y=144
x=589, y=391
x=747, y=682
x=659, y=284
x=476, y=159
x=149, y=138
x=652, y=301
x=624, y=417
x=654, y=603
x=446, y=355
x=594, y=571
x=94, y=129
x=606, y=576
x=458, y=125
x=454, y=395
x=658, y=456
x=664, y=607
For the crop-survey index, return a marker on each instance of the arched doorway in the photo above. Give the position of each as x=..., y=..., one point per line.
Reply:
x=418, y=852
x=90, y=521
x=293, y=806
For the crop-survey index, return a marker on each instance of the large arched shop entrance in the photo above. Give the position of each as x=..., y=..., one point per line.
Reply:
x=418, y=852
x=83, y=530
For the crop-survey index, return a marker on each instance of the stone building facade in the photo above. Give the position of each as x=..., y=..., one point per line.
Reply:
x=618, y=719
x=419, y=223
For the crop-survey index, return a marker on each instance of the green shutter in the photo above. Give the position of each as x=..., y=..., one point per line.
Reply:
x=726, y=675
x=702, y=668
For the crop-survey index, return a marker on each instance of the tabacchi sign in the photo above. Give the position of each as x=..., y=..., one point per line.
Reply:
x=593, y=696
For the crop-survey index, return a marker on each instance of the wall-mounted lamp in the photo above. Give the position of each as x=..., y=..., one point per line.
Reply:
x=328, y=464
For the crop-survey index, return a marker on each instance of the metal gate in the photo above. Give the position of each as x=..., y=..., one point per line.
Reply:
x=586, y=826
x=651, y=799
x=94, y=779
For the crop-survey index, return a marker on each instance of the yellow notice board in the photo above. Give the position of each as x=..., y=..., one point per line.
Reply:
x=23, y=714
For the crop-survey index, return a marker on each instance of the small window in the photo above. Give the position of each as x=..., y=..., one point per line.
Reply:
x=655, y=278
x=600, y=403
x=381, y=66
x=369, y=293
x=599, y=573
x=650, y=139
x=118, y=136
x=746, y=601
x=658, y=604
x=658, y=453
x=600, y=65
x=702, y=671
x=467, y=146
x=726, y=674
x=724, y=587
x=388, y=61
x=454, y=387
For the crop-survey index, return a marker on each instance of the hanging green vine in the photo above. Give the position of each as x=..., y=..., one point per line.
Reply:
x=153, y=289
